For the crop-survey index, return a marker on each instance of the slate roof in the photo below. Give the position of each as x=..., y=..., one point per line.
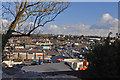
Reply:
x=53, y=67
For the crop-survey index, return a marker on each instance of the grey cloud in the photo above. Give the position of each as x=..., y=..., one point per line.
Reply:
x=107, y=24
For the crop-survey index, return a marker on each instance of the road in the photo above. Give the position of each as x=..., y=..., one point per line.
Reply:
x=68, y=53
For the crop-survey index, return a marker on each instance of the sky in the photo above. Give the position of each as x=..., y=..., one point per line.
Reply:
x=86, y=18
x=86, y=12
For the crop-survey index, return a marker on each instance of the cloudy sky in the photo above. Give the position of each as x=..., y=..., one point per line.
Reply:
x=84, y=18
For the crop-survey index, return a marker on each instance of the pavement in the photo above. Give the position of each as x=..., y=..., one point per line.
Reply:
x=53, y=67
x=38, y=71
x=63, y=76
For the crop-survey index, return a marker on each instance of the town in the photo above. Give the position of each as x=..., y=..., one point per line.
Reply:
x=49, y=52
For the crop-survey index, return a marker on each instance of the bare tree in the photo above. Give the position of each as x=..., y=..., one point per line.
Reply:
x=23, y=12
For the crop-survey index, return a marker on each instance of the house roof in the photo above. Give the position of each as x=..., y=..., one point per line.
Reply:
x=53, y=67
x=51, y=52
x=58, y=57
x=28, y=51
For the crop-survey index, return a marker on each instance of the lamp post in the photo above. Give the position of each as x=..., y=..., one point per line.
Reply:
x=43, y=55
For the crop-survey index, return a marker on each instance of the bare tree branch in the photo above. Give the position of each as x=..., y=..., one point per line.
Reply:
x=42, y=13
x=33, y=4
x=47, y=21
x=21, y=6
x=23, y=20
x=9, y=10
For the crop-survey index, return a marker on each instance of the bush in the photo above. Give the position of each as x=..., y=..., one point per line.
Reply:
x=104, y=59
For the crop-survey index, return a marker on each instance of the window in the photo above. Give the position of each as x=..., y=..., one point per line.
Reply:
x=30, y=53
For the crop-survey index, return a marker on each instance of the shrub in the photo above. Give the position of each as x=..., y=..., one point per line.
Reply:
x=104, y=58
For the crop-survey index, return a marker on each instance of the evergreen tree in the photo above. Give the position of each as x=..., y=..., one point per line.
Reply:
x=104, y=58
